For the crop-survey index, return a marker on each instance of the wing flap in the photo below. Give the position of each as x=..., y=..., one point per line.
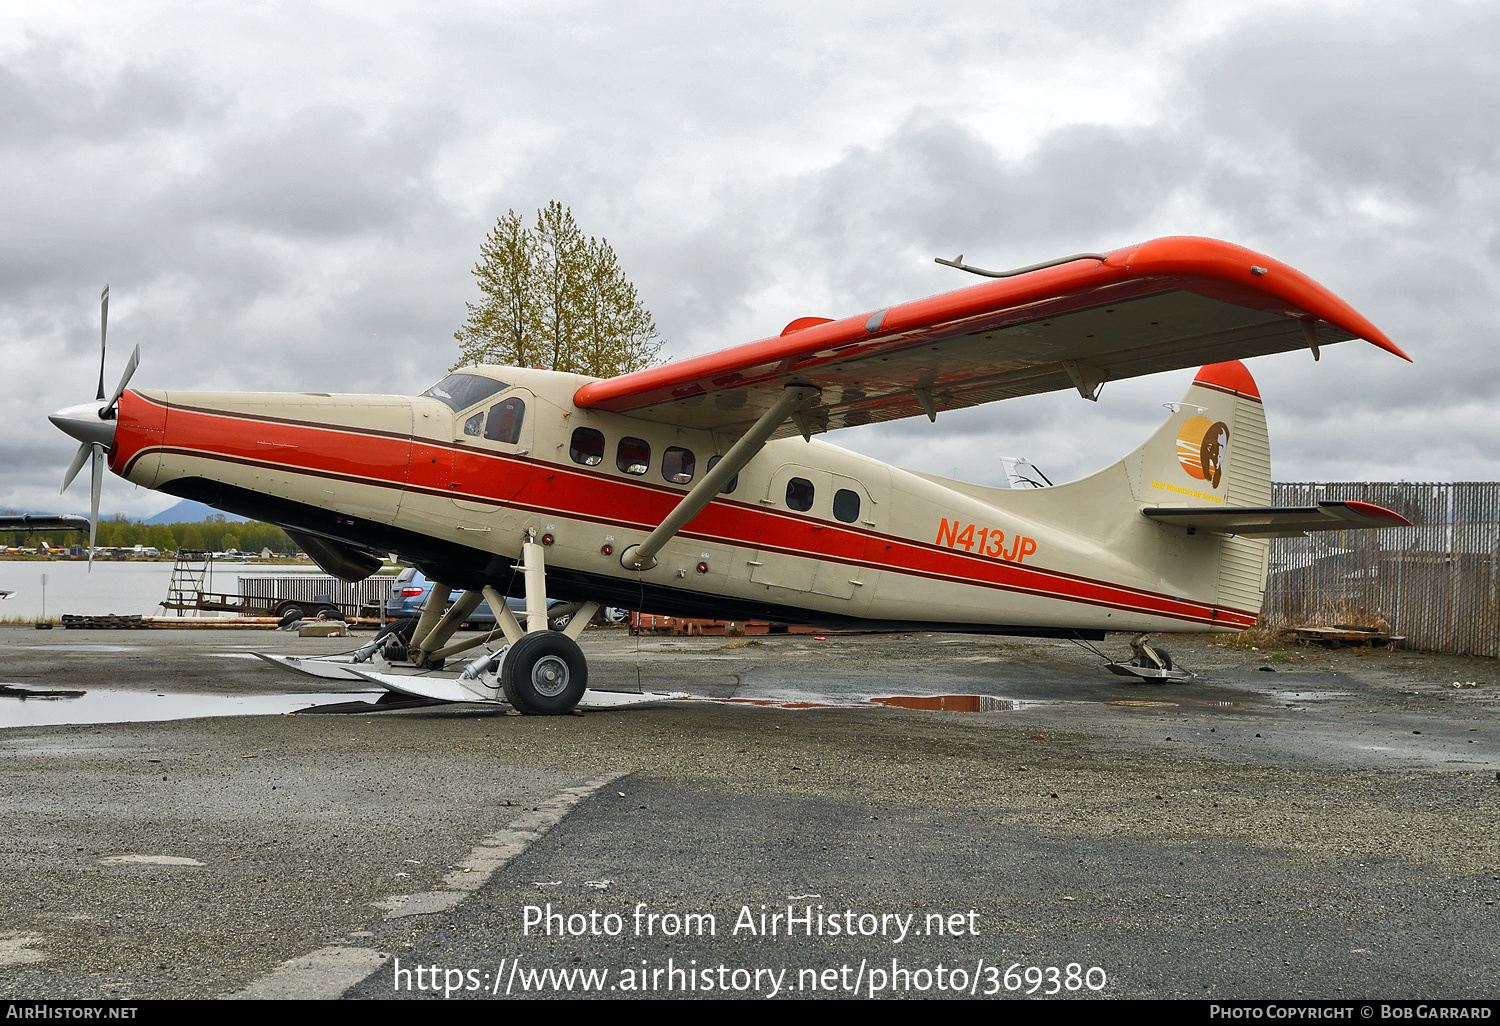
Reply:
x=1285, y=521
x=1164, y=305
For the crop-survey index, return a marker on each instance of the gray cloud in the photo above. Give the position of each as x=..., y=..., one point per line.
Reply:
x=47, y=101
x=297, y=205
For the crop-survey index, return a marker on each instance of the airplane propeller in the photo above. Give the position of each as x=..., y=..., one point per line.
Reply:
x=94, y=426
x=104, y=328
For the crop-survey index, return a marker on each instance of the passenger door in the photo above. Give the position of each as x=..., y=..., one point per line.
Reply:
x=791, y=533
x=490, y=444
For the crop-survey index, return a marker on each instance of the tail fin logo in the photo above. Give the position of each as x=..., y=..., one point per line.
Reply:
x=1201, y=446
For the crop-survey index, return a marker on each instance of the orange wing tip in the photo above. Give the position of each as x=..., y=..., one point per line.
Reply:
x=1374, y=512
x=1232, y=376
x=1226, y=262
x=1384, y=343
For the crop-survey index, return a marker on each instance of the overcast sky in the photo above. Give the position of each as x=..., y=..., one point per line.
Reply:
x=291, y=196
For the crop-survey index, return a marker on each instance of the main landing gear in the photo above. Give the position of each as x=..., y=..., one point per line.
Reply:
x=538, y=670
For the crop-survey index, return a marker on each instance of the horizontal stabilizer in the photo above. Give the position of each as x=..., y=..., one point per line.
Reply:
x=1281, y=522
x=41, y=522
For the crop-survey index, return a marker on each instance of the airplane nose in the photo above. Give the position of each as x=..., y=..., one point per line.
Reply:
x=84, y=423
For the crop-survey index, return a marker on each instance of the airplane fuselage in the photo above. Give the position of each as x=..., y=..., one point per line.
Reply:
x=809, y=532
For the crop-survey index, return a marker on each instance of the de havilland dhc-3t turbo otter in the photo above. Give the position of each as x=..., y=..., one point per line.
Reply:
x=697, y=489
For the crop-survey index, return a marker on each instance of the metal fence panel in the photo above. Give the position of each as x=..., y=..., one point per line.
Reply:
x=311, y=588
x=1434, y=582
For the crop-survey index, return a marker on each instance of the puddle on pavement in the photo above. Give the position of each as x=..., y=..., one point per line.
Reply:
x=39, y=707
x=79, y=648
x=777, y=703
x=1312, y=696
x=957, y=703
x=929, y=703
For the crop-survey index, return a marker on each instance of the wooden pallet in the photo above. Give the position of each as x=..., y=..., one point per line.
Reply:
x=1339, y=636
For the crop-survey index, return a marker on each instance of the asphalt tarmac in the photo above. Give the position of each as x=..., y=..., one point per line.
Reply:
x=1322, y=828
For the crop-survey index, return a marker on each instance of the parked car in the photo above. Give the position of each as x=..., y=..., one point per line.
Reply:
x=409, y=595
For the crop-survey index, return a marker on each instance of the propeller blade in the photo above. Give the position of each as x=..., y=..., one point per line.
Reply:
x=95, y=485
x=103, y=325
x=135, y=361
x=75, y=466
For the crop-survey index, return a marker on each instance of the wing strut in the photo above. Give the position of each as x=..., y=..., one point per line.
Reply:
x=793, y=398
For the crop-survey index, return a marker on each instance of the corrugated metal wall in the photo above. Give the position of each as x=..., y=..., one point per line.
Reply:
x=1434, y=582
x=307, y=588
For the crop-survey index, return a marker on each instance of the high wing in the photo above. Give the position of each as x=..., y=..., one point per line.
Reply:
x=1163, y=305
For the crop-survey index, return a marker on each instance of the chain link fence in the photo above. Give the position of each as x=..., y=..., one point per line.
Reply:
x=1433, y=582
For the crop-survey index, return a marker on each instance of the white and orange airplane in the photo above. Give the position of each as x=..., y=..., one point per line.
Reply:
x=697, y=489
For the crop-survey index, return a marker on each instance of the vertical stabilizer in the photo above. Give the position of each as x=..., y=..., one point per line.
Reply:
x=1214, y=451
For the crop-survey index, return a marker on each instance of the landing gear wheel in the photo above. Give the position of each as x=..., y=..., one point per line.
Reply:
x=1145, y=662
x=544, y=674
x=394, y=637
x=1149, y=656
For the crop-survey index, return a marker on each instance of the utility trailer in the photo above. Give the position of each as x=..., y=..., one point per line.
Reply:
x=278, y=595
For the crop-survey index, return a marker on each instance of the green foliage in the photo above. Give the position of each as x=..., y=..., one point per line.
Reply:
x=213, y=534
x=553, y=298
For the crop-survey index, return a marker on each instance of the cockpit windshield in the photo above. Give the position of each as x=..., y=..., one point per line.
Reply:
x=460, y=391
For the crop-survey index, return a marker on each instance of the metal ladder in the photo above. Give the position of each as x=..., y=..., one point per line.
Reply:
x=191, y=572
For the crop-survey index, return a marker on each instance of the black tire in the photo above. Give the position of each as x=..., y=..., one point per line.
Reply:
x=396, y=635
x=544, y=674
x=558, y=623
x=1147, y=663
x=290, y=613
x=327, y=613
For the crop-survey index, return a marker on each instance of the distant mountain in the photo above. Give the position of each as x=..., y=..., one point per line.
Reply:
x=189, y=511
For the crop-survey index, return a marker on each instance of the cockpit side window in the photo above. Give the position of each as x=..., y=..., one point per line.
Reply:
x=504, y=423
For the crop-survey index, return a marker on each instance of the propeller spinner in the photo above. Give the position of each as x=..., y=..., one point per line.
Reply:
x=94, y=426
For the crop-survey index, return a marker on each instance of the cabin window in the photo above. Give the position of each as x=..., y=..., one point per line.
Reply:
x=633, y=455
x=799, y=494
x=460, y=391
x=587, y=447
x=734, y=481
x=475, y=424
x=677, y=464
x=504, y=424
x=846, y=505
